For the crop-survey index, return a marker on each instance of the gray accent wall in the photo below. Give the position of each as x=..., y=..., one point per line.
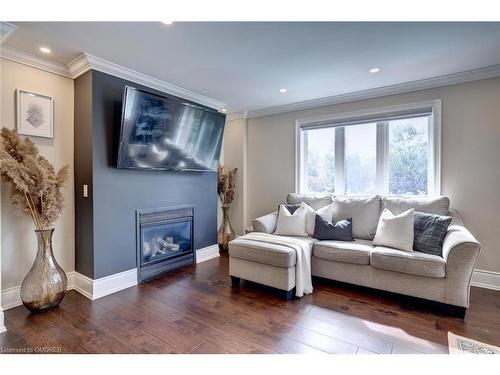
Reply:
x=116, y=194
x=84, y=225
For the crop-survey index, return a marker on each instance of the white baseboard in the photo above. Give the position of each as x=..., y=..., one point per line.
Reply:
x=2, y=326
x=207, y=253
x=114, y=283
x=83, y=285
x=92, y=289
x=486, y=279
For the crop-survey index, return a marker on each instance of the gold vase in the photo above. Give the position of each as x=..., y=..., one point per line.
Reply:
x=45, y=285
x=226, y=231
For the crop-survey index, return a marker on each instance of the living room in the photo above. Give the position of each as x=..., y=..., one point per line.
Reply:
x=255, y=186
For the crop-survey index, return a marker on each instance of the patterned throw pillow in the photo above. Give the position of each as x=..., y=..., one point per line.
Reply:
x=326, y=230
x=429, y=233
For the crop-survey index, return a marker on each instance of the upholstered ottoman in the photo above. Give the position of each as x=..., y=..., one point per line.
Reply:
x=264, y=263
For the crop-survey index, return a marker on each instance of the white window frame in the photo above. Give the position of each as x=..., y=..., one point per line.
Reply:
x=339, y=120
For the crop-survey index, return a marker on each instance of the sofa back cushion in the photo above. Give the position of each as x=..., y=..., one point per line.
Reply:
x=364, y=212
x=315, y=201
x=428, y=205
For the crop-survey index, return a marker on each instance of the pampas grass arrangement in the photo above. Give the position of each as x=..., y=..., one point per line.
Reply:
x=226, y=185
x=35, y=185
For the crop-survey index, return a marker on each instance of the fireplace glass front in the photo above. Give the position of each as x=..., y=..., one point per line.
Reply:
x=164, y=241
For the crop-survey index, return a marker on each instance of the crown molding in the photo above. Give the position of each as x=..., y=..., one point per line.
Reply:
x=446, y=80
x=6, y=29
x=34, y=61
x=86, y=62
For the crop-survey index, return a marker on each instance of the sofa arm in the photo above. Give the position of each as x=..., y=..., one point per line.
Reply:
x=266, y=223
x=460, y=252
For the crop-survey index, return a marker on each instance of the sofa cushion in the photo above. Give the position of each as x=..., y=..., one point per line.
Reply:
x=410, y=262
x=428, y=205
x=266, y=253
x=430, y=231
x=395, y=230
x=325, y=213
x=316, y=201
x=355, y=252
x=364, y=211
x=326, y=230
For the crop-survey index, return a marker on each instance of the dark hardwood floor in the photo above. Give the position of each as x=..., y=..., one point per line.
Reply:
x=196, y=310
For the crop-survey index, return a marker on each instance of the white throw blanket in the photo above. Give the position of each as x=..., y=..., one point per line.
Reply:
x=303, y=282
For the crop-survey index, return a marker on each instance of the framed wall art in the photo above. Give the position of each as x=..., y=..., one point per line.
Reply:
x=35, y=114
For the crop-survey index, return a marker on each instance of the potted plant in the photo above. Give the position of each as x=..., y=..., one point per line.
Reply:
x=36, y=191
x=226, y=189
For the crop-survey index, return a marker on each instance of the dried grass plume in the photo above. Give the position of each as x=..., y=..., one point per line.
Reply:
x=35, y=185
x=226, y=185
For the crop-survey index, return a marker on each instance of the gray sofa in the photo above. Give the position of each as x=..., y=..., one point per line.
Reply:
x=444, y=279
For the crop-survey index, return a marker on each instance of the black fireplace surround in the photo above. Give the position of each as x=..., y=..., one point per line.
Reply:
x=165, y=238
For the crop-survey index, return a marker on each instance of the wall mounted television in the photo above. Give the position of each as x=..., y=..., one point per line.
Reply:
x=168, y=133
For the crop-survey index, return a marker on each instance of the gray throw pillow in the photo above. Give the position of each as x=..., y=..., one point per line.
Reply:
x=429, y=232
x=326, y=230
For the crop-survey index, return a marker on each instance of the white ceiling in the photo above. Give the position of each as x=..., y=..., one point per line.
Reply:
x=245, y=64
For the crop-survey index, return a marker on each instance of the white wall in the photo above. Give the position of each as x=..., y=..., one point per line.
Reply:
x=18, y=242
x=470, y=156
x=235, y=133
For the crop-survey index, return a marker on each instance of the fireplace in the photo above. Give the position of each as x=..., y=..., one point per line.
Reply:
x=164, y=240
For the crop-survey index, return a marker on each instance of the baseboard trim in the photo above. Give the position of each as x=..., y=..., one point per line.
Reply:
x=98, y=288
x=92, y=289
x=83, y=285
x=207, y=253
x=2, y=326
x=486, y=279
x=114, y=283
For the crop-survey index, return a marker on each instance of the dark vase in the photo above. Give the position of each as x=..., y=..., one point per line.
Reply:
x=226, y=232
x=44, y=286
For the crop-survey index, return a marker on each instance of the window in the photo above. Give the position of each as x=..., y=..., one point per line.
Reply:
x=408, y=156
x=319, y=174
x=391, y=152
x=360, y=159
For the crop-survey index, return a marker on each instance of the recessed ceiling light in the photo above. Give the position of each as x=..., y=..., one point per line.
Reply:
x=45, y=50
x=223, y=110
x=283, y=91
x=374, y=70
x=167, y=22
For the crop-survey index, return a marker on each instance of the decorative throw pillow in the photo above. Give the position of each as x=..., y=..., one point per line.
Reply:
x=395, y=230
x=326, y=230
x=325, y=212
x=291, y=224
x=430, y=231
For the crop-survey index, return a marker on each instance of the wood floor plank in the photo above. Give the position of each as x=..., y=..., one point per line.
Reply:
x=196, y=310
x=347, y=335
x=321, y=342
x=289, y=346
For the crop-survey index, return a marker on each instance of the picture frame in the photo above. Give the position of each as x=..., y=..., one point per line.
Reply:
x=35, y=114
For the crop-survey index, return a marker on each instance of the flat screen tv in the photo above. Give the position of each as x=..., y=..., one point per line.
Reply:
x=168, y=133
